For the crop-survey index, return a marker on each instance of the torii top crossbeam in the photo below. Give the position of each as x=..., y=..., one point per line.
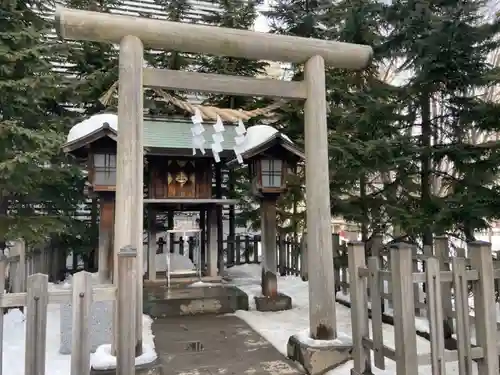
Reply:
x=186, y=37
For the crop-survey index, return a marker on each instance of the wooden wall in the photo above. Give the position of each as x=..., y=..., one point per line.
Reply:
x=179, y=178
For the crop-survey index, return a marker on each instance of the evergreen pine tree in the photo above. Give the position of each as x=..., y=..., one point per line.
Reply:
x=445, y=45
x=361, y=106
x=92, y=66
x=177, y=11
x=362, y=118
x=37, y=195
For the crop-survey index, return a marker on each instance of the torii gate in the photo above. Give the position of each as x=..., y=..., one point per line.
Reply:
x=132, y=32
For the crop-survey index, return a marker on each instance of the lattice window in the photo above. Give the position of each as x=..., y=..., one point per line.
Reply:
x=271, y=173
x=105, y=169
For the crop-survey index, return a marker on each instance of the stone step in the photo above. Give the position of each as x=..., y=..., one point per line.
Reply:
x=160, y=301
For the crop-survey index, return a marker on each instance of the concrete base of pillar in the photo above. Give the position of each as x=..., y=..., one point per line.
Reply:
x=279, y=302
x=318, y=356
x=153, y=368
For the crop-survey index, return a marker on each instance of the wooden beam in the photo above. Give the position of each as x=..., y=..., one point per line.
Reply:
x=192, y=201
x=186, y=37
x=223, y=84
x=129, y=182
x=319, y=233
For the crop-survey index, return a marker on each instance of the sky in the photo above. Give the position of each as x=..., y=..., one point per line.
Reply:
x=261, y=22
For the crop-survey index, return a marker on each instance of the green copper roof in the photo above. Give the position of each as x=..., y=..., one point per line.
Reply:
x=176, y=134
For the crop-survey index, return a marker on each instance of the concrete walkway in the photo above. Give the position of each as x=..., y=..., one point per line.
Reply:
x=216, y=345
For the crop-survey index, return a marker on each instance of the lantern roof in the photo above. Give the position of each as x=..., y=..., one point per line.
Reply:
x=260, y=139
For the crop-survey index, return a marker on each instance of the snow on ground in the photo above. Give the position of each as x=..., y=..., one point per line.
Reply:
x=102, y=359
x=277, y=327
x=14, y=331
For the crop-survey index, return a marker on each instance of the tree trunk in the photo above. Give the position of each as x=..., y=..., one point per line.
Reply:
x=426, y=160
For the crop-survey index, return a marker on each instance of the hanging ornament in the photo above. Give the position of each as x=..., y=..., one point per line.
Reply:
x=239, y=140
x=218, y=138
x=197, y=131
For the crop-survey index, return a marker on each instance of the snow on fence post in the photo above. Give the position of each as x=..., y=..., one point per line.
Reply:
x=37, y=299
x=3, y=266
x=126, y=313
x=359, y=308
x=435, y=314
x=441, y=250
x=484, y=305
x=80, y=335
x=404, y=309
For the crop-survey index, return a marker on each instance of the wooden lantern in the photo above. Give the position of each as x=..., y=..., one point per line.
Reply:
x=268, y=175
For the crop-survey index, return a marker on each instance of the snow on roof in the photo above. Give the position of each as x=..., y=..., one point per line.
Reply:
x=258, y=134
x=92, y=124
x=255, y=136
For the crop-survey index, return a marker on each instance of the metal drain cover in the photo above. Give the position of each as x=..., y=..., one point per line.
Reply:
x=194, y=346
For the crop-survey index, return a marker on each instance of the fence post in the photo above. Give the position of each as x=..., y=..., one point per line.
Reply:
x=435, y=315
x=181, y=245
x=377, y=251
x=496, y=265
x=442, y=253
x=359, y=308
x=230, y=250
x=3, y=266
x=416, y=286
x=462, y=326
x=375, y=282
x=80, y=336
x=237, y=257
x=247, y=246
x=404, y=309
x=17, y=274
x=191, y=249
x=484, y=304
x=345, y=274
x=282, y=255
x=336, y=259
x=37, y=300
x=126, y=300
x=304, y=271
x=255, y=246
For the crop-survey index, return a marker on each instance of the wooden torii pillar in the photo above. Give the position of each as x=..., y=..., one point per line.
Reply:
x=132, y=32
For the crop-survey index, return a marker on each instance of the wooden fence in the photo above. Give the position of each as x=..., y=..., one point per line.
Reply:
x=21, y=263
x=478, y=272
x=32, y=293
x=245, y=250
x=441, y=251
